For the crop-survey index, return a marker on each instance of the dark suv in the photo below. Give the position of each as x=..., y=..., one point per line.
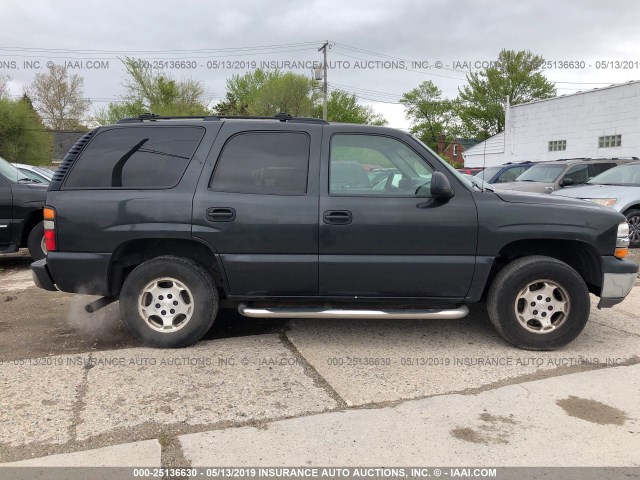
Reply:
x=504, y=173
x=278, y=218
x=21, y=203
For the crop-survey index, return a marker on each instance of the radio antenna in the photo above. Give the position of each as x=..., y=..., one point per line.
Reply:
x=484, y=163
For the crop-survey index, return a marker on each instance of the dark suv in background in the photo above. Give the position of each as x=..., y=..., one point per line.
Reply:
x=504, y=173
x=21, y=203
x=279, y=218
x=546, y=177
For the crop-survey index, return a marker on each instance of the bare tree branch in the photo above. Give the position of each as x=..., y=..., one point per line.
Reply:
x=59, y=98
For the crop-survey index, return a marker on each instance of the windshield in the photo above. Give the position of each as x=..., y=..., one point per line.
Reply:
x=541, y=173
x=47, y=172
x=621, y=175
x=488, y=173
x=446, y=164
x=468, y=180
x=9, y=172
x=35, y=176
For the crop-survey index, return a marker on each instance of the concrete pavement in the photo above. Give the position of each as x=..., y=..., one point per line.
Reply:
x=583, y=419
x=422, y=391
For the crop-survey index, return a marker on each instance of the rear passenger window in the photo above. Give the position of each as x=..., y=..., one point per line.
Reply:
x=267, y=163
x=136, y=157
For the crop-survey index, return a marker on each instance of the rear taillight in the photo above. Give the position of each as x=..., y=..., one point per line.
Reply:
x=49, y=215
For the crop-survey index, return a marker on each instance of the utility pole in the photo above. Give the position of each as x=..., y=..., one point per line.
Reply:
x=324, y=77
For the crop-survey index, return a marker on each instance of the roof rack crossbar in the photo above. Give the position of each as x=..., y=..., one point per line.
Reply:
x=283, y=117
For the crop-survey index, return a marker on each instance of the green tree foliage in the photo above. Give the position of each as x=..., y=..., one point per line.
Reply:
x=148, y=91
x=344, y=107
x=431, y=115
x=288, y=92
x=267, y=92
x=242, y=91
x=517, y=75
x=23, y=136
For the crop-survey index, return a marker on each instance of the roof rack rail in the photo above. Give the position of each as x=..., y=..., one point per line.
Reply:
x=282, y=117
x=571, y=158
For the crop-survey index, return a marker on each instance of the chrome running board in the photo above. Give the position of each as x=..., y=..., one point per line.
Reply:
x=306, y=312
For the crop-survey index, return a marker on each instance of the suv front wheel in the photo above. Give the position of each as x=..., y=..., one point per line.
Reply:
x=35, y=242
x=538, y=303
x=168, y=302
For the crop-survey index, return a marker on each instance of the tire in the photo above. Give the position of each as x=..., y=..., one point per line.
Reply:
x=633, y=217
x=35, y=242
x=534, y=278
x=166, y=282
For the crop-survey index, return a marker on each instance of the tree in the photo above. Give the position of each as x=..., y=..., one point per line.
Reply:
x=147, y=91
x=267, y=92
x=59, y=98
x=242, y=91
x=116, y=111
x=23, y=136
x=517, y=76
x=344, y=107
x=431, y=115
x=288, y=92
x=4, y=86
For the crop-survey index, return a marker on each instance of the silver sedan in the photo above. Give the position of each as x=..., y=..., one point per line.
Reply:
x=618, y=188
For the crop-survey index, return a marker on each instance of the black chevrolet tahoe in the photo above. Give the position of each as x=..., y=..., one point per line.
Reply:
x=21, y=206
x=281, y=217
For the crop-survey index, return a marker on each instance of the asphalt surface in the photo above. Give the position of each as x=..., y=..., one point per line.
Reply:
x=72, y=381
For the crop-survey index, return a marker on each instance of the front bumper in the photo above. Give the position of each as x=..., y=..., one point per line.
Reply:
x=618, y=278
x=41, y=275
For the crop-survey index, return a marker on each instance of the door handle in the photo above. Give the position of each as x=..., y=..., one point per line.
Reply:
x=337, y=217
x=221, y=214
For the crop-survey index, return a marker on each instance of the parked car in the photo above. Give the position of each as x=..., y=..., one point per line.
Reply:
x=546, y=177
x=474, y=181
x=275, y=217
x=504, y=173
x=470, y=170
x=37, y=174
x=21, y=204
x=618, y=188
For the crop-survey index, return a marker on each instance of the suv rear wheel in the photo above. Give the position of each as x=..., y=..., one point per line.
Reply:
x=168, y=302
x=538, y=303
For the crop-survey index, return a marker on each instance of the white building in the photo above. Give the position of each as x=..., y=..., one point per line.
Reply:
x=604, y=122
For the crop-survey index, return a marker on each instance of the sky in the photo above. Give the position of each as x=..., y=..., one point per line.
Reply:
x=379, y=49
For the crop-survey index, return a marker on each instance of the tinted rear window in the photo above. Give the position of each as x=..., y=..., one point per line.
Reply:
x=143, y=157
x=268, y=163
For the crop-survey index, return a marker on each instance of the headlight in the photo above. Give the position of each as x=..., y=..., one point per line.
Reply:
x=607, y=202
x=622, y=240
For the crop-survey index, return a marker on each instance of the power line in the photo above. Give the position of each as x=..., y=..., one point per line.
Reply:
x=165, y=56
x=198, y=50
x=363, y=97
x=342, y=86
x=405, y=69
x=382, y=55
